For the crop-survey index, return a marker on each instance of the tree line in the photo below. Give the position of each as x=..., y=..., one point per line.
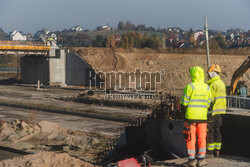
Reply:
x=133, y=39
x=129, y=35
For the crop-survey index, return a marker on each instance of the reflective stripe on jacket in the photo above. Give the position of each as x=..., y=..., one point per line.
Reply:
x=218, y=92
x=197, y=96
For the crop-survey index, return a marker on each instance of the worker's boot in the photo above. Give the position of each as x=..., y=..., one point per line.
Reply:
x=190, y=163
x=217, y=154
x=201, y=162
x=210, y=154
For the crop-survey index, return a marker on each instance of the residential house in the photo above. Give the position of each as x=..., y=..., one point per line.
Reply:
x=46, y=36
x=197, y=34
x=44, y=31
x=76, y=29
x=179, y=44
x=230, y=36
x=18, y=36
x=235, y=31
x=30, y=37
x=171, y=39
x=175, y=29
x=104, y=28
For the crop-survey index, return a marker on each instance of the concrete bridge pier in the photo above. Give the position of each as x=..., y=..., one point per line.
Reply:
x=57, y=67
x=49, y=69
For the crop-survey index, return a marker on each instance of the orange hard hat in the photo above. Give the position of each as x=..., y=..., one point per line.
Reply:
x=214, y=68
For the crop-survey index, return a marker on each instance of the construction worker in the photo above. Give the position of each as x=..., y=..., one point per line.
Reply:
x=195, y=101
x=218, y=93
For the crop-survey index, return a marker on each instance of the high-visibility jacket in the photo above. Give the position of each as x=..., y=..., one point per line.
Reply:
x=197, y=96
x=218, y=92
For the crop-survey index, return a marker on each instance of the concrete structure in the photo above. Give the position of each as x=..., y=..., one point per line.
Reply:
x=48, y=69
x=50, y=65
x=57, y=68
x=34, y=68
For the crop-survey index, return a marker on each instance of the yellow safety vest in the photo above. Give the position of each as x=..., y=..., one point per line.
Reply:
x=197, y=96
x=218, y=92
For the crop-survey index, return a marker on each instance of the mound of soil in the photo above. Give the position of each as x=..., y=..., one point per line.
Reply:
x=176, y=66
x=48, y=136
x=18, y=130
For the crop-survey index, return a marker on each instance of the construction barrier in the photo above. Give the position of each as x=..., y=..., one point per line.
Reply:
x=237, y=102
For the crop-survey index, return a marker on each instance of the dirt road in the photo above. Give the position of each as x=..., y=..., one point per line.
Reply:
x=67, y=121
x=29, y=97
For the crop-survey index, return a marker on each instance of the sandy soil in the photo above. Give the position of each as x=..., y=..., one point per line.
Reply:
x=42, y=159
x=48, y=136
x=175, y=65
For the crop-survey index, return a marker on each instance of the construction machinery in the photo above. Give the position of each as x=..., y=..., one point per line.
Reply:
x=236, y=76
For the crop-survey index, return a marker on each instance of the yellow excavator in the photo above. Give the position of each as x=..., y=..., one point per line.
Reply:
x=237, y=74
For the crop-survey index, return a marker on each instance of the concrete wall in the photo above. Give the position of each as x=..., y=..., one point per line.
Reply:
x=34, y=68
x=77, y=71
x=57, y=66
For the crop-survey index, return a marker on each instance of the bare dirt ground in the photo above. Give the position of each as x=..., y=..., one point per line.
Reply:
x=48, y=159
x=46, y=100
x=176, y=65
x=74, y=122
x=48, y=136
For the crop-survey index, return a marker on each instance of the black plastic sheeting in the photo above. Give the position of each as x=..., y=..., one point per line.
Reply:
x=236, y=135
x=164, y=139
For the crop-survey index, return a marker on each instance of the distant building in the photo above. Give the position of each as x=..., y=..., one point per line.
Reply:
x=18, y=36
x=46, y=36
x=102, y=28
x=76, y=29
x=175, y=30
x=44, y=31
x=30, y=37
x=231, y=36
x=179, y=44
x=197, y=34
x=53, y=35
x=235, y=31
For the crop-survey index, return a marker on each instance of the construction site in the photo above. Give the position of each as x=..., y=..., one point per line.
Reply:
x=53, y=112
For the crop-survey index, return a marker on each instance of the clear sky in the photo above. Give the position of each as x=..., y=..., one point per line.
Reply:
x=33, y=15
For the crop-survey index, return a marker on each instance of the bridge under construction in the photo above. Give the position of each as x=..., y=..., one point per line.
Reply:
x=46, y=64
x=23, y=48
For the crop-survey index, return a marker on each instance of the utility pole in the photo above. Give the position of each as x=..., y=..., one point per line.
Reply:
x=207, y=42
x=164, y=41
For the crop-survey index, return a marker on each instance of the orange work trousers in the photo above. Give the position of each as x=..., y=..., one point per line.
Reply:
x=193, y=131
